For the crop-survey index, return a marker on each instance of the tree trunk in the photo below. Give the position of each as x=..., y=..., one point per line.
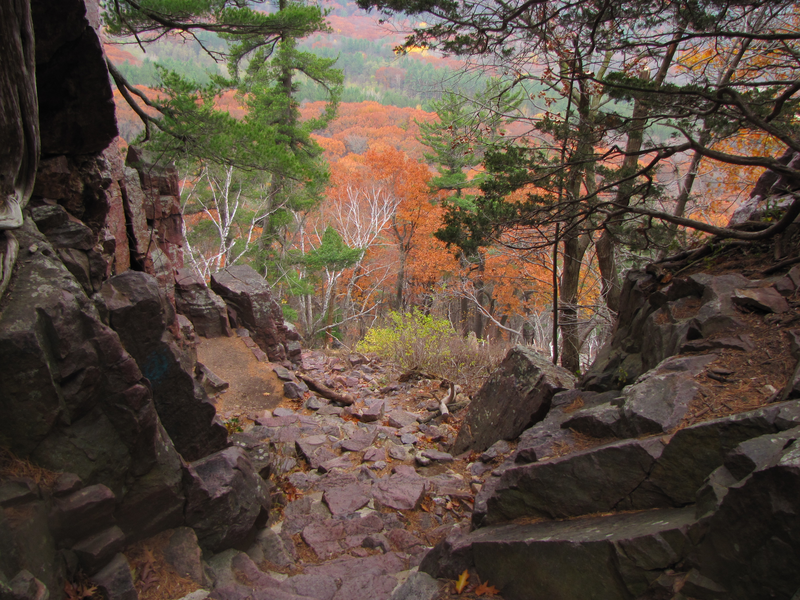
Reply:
x=399, y=300
x=19, y=117
x=480, y=296
x=574, y=248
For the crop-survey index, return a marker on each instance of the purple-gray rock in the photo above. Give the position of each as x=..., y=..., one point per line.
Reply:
x=95, y=551
x=225, y=497
x=345, y=494
x=515, y=397
x=374, y=412
x=316, y=449
x=375, y=454
x=184, y=554
x=115, y=580
x=496, y=450
x=597, y=480
x=366, y=587
x=318, y=587
x=611, y=557
x=401, y=492
x=294, y=389
x=360, y=440
x=24, y=586
x=249, y=295
x=437, y=455
x=334, y=536
x=400, y=418
x=83, y=513
x=268, y=546
x=137, y=312
x=655, y=321
x=694, y=452
x=418, y=586
x=658, y=401
x=398, y=452
x=205, y=309
x=762, y=299
x=753, y=537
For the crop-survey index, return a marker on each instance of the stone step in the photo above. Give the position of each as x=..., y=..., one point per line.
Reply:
x=611, y=557
x=634, y=474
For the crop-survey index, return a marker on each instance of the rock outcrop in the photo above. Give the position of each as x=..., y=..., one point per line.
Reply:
x=251, y=305
x=659, y=320
x=201, y=306
x=93, y=363
x=515, y=397
x=137, y=311
x=652, y=508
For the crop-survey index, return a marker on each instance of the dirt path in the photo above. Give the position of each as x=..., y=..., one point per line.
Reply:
x=254, y=387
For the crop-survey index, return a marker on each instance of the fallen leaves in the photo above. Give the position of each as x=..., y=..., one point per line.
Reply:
x=463, y=579
x=462, y=586
x=484, y=589
x=80, y=590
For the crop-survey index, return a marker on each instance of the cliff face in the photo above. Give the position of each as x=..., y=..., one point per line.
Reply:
x=97, y=386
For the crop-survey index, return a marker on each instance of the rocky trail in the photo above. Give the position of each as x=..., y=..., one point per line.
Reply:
x=631, y=493
x=362, y=492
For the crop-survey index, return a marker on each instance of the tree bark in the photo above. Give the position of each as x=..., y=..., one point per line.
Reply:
x=19, y=111
x=574, y=249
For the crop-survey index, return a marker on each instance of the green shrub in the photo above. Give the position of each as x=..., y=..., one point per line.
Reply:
x=422, y=342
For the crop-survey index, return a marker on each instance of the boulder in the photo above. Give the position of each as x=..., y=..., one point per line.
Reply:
x=694, y=452
x=137, y=312
x=598, y=480
x=249, y=296
x=115, y=580
x=658, y=320
x=615, y=557
x=761, y=299
x=72, y=398
x=515, y=397
x=753, y=539
x=201, y=306
x=546, y=438
x=83, y=513
x=95, y=551
x=225, y=497
x=659, y=399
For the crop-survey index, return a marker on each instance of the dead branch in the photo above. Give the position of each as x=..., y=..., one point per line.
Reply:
x=325, y=391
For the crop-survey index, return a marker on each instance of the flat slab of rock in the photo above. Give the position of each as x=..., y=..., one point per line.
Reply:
x=658, y=401
x=515, y=397
x=594, y=557
x=333, y=536
x=418, y=586
x=360, y=440
x=763, y=299
x=344, y=495
x=596, y=480
x=437, y=455
x=401, y=418
x=401, y=492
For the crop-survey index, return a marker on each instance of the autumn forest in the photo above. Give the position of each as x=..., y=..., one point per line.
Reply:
x=499, y=166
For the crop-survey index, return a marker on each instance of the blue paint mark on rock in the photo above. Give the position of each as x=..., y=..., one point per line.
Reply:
x=156, y=366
